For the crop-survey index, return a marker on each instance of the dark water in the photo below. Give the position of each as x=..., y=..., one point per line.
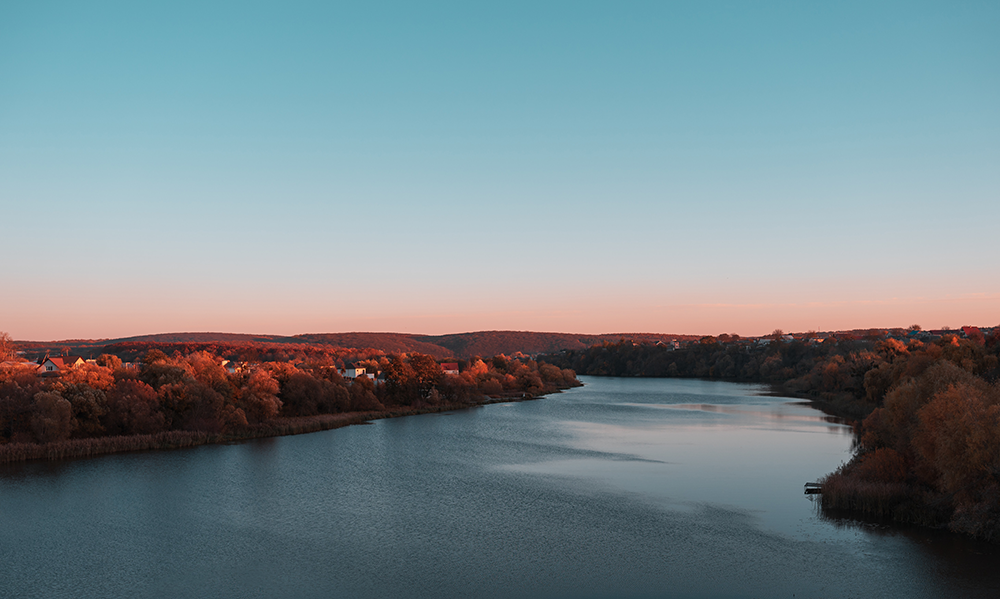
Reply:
x=624, y=488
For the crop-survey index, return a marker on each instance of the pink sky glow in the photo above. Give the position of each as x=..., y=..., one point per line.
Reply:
x=626, y=316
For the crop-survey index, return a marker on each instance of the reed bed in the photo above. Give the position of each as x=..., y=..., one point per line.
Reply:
x=278, y=427
x=83, y=448
x=874, y=499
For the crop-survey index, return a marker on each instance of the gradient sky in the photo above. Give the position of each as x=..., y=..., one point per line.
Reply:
x=678, y=167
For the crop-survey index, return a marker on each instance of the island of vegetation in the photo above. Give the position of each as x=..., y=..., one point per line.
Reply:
x=84, y=408
x=926, y=409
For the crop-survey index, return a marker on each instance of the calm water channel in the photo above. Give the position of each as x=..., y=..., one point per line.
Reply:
x=622, y=488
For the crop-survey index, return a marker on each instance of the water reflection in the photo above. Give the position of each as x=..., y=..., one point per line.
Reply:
x=784, y=412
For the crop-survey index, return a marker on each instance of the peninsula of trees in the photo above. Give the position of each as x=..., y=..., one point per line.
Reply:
x=188, y=399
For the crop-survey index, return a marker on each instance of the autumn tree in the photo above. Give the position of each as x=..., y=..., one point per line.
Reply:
x=500, y=363
x=427, y=372
x=133, y=409
x=109, y=361
x=476, y=368
x=52, y=418
x=362, y=395
x=398, y=371
x=92, y=375
x=207, y=369
x=153, y=356
x=21, y=373
x=957, y=439
x=258, y=398
x=162, y=372
x=301, y=395
x=7, y=348
x=89, y=408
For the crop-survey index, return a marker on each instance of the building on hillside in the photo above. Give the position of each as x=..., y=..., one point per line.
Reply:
x=670, y=345
x=235, y=367
x=449, y=367
x=58, y=364
x=354, y=371
x=969, y=332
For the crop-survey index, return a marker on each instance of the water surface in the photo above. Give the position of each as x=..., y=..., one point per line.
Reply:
x=622, y=488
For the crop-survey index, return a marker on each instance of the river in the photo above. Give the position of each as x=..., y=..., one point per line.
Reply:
x=621, y=488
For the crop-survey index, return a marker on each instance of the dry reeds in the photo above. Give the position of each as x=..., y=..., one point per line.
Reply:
x=82, y=448
x=874, y=499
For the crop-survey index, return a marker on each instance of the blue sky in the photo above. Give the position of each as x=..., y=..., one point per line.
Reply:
x=697, y=167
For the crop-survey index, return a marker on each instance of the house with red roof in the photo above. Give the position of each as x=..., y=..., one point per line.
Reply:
x=58, y=364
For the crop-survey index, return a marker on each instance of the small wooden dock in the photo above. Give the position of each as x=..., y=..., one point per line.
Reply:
x=813, y=488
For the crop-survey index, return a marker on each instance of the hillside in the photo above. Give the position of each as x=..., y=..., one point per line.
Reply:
x=458, y=345
x=392, y=343
x=491, y=343
x=208, y=338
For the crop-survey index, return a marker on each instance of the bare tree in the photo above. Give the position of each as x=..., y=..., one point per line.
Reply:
x=7, y=347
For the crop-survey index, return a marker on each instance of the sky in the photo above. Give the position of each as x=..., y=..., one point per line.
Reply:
x=440, y=167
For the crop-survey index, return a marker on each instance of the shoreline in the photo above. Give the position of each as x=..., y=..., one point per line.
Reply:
x=72, y=449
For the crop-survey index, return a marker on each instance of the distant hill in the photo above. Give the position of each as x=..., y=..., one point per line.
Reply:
x=392, y=343
x=491, y=343
x=458, y=345
x=207, y=338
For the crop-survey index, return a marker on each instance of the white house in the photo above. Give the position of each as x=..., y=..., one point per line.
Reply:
x=58, y=364
x=234, y=367
x=354, y=372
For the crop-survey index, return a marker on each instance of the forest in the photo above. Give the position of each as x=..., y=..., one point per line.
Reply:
x=926, y=413
x=191, y=398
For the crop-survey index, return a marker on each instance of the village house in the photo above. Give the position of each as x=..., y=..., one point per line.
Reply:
x=354, y=371
x=58, y=364
x=235, y=367
x=969, y=332
x=449, y=367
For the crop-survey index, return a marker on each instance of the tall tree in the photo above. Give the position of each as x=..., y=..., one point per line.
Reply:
x=426, y=370
x=52, y=419
x=7, y=347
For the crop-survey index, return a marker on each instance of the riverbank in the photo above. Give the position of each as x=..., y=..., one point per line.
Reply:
x=278, y=427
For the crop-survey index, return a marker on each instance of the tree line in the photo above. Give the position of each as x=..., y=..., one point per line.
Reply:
x=245, y=351
x=195, y=392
